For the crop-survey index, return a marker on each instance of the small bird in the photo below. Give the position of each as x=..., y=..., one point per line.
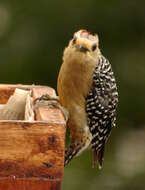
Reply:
x=87, y=89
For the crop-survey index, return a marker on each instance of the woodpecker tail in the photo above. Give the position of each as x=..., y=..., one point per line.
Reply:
x=98, y=155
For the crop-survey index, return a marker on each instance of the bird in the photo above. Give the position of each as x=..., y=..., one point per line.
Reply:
x=87, y=89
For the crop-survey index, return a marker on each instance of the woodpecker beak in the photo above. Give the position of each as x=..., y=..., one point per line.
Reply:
x=82, y=47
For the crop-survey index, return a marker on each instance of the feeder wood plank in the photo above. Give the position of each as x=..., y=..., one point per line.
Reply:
x=32, y=153
x=31, y=150
x=29, y=184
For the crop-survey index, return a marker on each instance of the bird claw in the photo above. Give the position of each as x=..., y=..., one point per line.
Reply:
x=47, y=100
x=46, y=97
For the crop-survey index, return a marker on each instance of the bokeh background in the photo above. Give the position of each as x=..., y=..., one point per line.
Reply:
x=33, y=35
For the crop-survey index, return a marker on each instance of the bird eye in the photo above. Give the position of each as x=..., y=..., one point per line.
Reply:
x=94, y=47
x=74, y=40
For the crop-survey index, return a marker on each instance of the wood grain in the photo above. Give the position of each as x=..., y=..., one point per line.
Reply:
x=29, y=184
x=32, y=153
x=25, y=148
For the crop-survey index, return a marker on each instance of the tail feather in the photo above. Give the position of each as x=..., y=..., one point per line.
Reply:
x=94, y=158
x=98, y=155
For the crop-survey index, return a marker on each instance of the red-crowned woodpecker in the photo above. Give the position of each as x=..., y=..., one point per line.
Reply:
x=87, y=89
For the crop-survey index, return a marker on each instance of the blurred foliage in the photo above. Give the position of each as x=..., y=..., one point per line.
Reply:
x=33, y=35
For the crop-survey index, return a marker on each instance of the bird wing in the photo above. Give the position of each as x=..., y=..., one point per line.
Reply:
x=101, y=105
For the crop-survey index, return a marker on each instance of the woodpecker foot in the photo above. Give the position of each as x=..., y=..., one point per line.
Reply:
x=47, y=97
x=47, y=100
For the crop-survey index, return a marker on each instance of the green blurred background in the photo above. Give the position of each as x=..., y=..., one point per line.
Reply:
x=33, y=35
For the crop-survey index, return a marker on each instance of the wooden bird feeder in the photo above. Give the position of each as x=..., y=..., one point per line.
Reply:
x=32, y=152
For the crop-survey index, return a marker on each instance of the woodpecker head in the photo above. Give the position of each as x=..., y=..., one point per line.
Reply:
x=82, y=48
x=83, y=41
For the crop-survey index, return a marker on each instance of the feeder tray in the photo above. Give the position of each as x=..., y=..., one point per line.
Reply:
x=32, y=150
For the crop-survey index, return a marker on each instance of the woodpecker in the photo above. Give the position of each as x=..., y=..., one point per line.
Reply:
x=87, y=89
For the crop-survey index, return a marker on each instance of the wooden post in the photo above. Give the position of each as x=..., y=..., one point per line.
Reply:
x=32, y=153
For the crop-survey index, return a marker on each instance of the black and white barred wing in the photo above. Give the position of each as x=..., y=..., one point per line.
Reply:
x=101, y=105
